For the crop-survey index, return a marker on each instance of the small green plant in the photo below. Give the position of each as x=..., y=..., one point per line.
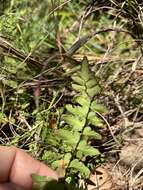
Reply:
x=77, y=127
x=47, y=183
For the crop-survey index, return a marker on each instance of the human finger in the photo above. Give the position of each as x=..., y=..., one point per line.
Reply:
x=17, y=167
x=10, y=186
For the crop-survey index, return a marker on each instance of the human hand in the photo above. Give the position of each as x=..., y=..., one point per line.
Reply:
x=16, y=168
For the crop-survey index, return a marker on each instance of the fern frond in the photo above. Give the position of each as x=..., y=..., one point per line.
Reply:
x=81, y=116
x=78, y=124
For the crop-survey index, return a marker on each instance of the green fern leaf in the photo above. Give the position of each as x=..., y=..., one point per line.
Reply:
x=77, y=110
x=38, y=178
x=94, y=120
x=87, y=150
x=93, y=91
x=92, y=134
x=78, y=80
x=98, y=107
x=79, y=155
x=67, y=158
x=73, y=121
x=85, y=73
x=91, y=83
x=78, y=88
x=39, y=182
x=83, y=100
x=50, y=155
x=90, y=151
x=69, y=137
x=80, y=167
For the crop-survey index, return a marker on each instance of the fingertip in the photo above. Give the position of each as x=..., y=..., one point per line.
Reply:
x=24, y=165
x=7, y=156
x=17, y=166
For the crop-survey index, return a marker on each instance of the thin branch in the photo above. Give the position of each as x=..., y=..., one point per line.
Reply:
x=7, y=47
x=82, y=41
x=109, y=127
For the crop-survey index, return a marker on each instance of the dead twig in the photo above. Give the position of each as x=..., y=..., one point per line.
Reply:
x=9, y=49
x=82, y=41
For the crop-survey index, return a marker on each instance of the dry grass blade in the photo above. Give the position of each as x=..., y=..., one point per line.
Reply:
x=10, y=50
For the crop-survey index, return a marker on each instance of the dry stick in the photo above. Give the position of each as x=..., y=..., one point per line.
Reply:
x=77, y=45
x=82, y=41
x=116, y=99
x=134, y=65
x=20, y=55
x=109, y=127
x=87, y=12
x=58, y=7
